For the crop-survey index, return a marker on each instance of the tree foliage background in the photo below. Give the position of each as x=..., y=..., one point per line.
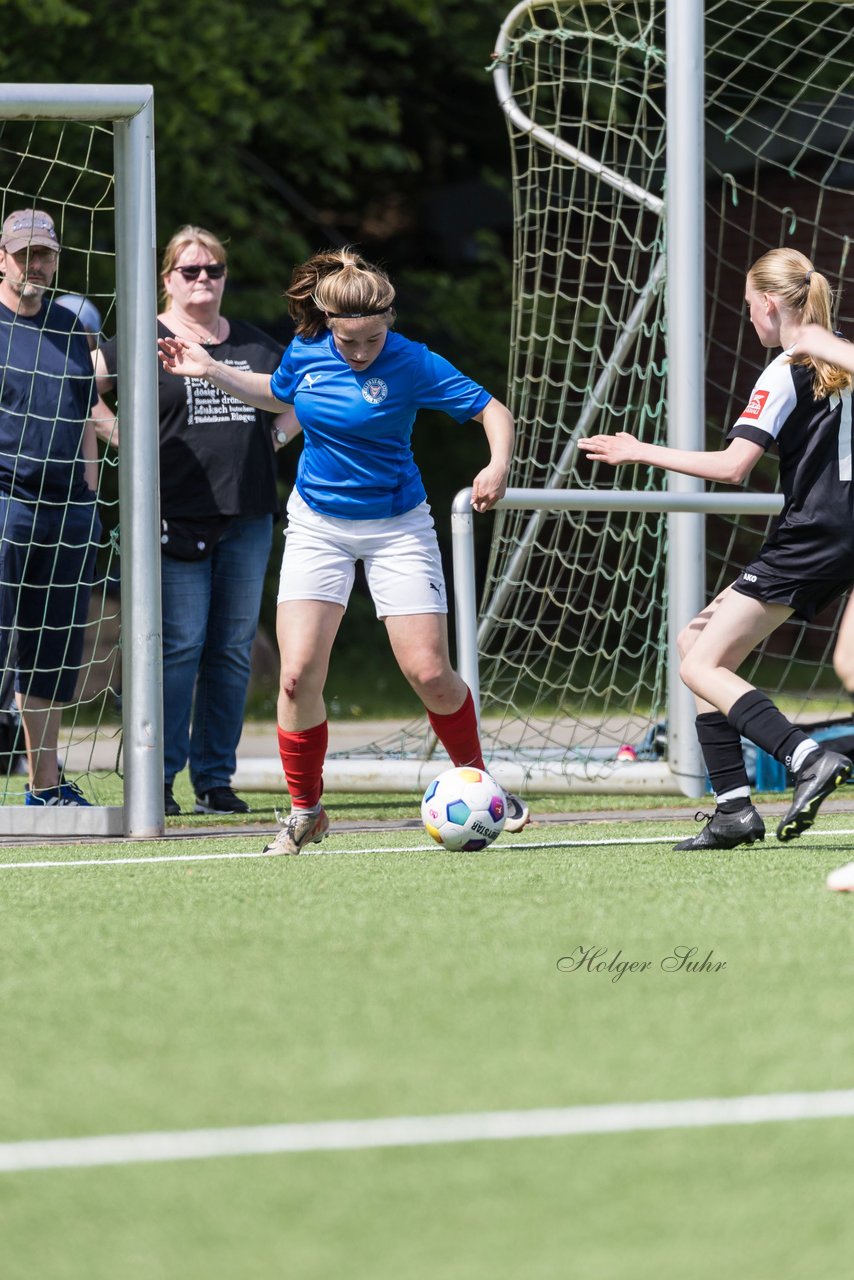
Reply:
x=288, y=125
x=291, y=125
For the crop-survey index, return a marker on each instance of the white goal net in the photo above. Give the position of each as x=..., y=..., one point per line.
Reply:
x=82, y=155
x=573, y=628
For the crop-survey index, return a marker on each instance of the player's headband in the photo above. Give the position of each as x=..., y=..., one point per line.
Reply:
x=356, y=315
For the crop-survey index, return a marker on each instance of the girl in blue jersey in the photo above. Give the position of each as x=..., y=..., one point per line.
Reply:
x=801, y=404
x=355, y=386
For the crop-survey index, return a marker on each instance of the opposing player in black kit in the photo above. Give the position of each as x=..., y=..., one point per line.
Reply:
x=802, y=405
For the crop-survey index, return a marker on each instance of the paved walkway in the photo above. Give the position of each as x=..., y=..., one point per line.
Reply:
x=346, y=736
x=83, y=751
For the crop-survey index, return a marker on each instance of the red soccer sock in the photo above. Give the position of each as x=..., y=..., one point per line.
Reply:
x=303, y=753
x=458, y=734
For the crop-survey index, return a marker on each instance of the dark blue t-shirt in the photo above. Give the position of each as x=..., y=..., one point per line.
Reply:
x=47, y=390
x=357, y=461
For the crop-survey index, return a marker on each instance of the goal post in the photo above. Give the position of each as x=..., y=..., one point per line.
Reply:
x=128, y=110
x=657, y=149
x=573, y=771
x=685, y=343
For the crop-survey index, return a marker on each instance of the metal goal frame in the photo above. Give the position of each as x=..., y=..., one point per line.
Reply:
x=130, y=110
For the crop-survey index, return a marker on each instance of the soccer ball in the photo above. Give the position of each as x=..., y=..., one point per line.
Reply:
x=464, y=809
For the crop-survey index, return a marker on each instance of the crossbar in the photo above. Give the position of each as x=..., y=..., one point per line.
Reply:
x=691, y=782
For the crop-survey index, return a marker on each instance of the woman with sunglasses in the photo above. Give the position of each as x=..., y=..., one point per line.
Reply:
x=218, y=500
x=357, y=386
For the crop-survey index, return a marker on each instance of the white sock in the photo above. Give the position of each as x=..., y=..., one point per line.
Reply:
x=735, y=794
x=801, y=752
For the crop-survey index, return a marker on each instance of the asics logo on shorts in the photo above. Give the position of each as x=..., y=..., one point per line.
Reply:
x=374, y=390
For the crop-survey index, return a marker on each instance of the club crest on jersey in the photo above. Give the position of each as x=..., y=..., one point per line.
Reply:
x=757, y=404
x=374, y=390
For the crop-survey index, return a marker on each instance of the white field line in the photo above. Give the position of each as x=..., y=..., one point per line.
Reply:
x=417, y=1131
x=56, y=864
x=218, y=857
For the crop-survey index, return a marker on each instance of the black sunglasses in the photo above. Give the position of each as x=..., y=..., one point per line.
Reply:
x=215, y=271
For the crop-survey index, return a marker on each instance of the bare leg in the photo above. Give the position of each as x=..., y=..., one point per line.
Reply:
x=420, y=645
x=716, y=643
x=843, y=654
x=306, y=631
x=41, y=720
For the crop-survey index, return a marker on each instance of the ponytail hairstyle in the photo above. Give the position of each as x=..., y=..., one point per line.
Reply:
x=337, y=284
x=807, y=295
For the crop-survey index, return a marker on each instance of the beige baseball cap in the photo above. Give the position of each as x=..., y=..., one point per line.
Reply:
x=26, y=227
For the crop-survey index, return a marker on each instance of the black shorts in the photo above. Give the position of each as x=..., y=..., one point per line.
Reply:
x=774, y=581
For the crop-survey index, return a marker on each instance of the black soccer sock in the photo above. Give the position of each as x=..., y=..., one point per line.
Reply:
x=720, y=744
x=755, y=716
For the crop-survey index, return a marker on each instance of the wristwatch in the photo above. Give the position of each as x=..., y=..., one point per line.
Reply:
x=281, y=437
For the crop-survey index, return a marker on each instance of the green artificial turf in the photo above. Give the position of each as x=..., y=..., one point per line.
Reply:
x=385, y=978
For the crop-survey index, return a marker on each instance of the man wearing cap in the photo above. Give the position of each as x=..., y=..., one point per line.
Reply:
x=49, y=526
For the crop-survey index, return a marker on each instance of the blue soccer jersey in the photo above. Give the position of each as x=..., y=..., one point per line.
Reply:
x=357, y=461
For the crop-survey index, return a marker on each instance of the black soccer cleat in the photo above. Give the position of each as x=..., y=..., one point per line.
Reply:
x=726, y=830
x=220, y=800
x=818, y=777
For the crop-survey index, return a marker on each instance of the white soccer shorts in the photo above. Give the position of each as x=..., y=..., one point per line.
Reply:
x=400, y=554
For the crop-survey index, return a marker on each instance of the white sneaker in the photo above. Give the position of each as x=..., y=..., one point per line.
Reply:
x=518, y=813
x=307, y=826
x=842, y=878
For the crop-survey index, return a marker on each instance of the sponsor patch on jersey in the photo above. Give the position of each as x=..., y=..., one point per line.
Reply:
x=757, y=404
x=374, y=390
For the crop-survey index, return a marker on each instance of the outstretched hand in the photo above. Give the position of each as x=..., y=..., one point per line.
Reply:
x=614, y=450
x=184, y=359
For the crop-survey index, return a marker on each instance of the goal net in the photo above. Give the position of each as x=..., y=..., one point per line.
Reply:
x=65, y=168
x=573, y=622
x=572, y=629
x=82, y=155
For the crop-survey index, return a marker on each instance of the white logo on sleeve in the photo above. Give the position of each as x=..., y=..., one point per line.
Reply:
x=310, y=379
x=374, y=390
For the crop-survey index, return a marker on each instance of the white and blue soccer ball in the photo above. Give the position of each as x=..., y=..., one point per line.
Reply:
x=464, y=809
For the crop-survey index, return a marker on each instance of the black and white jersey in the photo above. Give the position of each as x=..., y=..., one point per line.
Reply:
x=813, y=439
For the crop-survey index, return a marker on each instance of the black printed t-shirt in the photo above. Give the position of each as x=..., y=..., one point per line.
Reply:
x=216, y=453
